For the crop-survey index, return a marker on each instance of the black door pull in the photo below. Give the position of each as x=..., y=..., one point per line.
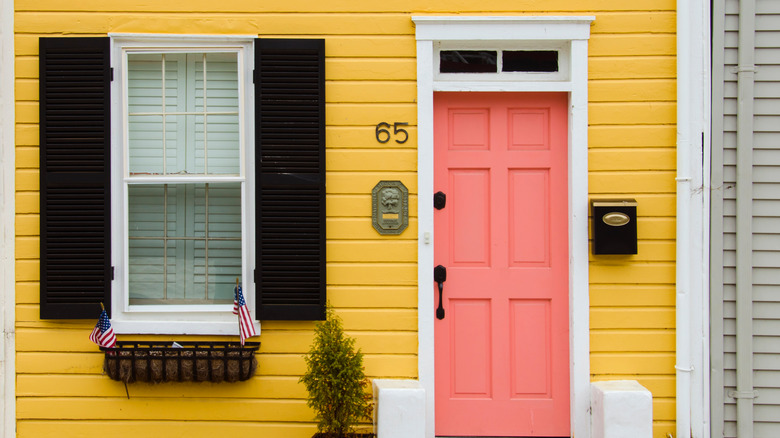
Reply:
x=440, y=276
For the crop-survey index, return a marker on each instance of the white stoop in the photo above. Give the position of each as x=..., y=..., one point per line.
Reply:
x=399, y=408
x=620, y=409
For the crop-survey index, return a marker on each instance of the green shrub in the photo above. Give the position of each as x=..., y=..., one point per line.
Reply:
x=335, y=379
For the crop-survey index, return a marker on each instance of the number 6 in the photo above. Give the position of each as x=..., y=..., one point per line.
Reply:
x=382, y=128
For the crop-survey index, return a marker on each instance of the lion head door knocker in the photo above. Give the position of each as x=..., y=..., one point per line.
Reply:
x=390, y=207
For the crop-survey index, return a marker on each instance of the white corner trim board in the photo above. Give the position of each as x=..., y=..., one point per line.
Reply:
x=573, y=32
x=7, y=229
x=692, y=286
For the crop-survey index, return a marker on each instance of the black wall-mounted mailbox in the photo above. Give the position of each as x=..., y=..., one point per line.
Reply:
x=614, y=226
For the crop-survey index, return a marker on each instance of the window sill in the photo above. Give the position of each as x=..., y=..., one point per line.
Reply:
x=152, y=327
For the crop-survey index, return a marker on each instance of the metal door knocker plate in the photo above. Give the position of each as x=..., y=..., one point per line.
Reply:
x=390, y=207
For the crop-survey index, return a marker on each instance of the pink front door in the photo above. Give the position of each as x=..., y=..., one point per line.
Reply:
x=502, y=348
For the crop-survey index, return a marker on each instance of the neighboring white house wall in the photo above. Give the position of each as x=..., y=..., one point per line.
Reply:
x=7, y=212
x=745, y=308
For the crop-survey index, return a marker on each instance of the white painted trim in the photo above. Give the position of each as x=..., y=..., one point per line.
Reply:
x=175, y=320
x=7, y=228
x=692, y=278
x=570, y=30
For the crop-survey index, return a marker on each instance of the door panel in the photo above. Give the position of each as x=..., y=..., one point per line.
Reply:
x=502, y=349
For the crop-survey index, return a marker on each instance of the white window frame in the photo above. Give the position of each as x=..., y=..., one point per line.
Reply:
x=215, y=319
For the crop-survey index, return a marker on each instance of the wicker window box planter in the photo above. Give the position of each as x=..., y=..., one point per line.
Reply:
x=159, y=362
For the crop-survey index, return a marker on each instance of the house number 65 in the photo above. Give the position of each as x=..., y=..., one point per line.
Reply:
x=383, y=132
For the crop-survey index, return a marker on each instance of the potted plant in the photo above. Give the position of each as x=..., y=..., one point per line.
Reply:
x=336, y=381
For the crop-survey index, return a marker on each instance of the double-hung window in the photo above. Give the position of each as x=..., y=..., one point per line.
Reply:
x=173, y=168
x=182, y=177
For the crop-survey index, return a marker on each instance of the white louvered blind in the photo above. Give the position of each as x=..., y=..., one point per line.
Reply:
x=184, y=211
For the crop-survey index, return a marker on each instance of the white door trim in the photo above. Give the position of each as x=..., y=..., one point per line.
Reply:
x=541, y=32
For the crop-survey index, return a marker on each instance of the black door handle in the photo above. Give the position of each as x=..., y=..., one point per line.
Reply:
x=440, y=276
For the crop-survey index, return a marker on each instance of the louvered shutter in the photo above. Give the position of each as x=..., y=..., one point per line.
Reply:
x=290, y=182
x=75, y=177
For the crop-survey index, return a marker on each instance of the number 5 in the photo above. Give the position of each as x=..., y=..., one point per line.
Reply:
x=396, y=130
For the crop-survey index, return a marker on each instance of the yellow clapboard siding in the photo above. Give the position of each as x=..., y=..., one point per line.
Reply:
x=220, y=24
x=635, y=22
x=28, y=88
x=634, y=363
x=87, y=385
x=294, y=341
x=659, y=385
x=373, y=296
x=360, y=206
x=400, y=69
x=632, y=136
x=27, y=180
x=364, y=182
x=28, y=270
x=349, y=114
x=27, y=135
x=37, y=362
x=632, y=90
x=27, y=157
x=371, y=72
x=27, y=248
x=364, y=137
x=371, y=92
x=371, y=251
x=27, y=202
x=648, y=67
x=636, y=182
x=370, y=160
x=632, y=273
x=364, y=46
x=632, y=159
x=27, y=112
x=631, y=318
x=372, y=274
x=27, y=224
x=360, y=228
x=632, y=340
x=27, y=293
x=624, y=113
x=80, y=408
x=452, y=6
x=632, y=45
x=606, y=295
x=169, y=428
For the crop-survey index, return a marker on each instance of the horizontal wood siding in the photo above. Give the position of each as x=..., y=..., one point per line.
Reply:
x=372, y=279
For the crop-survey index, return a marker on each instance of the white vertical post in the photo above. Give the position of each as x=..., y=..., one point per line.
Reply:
x=7, y=229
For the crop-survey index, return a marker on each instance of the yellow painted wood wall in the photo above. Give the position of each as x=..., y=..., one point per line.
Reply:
x=371, y=71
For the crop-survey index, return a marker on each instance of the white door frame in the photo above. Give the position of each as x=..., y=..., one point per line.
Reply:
x=539, y=32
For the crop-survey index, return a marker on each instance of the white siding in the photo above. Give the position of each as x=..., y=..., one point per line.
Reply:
x=766, y=220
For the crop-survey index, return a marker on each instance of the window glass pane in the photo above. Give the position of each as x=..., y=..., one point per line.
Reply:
x=530, y=60
x=467, y=61
x=193, y=123
x=184, y=242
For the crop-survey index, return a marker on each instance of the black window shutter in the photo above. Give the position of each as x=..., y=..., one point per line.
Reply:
x=75, y=177
x=290, y=181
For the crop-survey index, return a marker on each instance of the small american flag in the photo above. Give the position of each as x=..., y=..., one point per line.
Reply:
x=245, y=327
x=103, y=334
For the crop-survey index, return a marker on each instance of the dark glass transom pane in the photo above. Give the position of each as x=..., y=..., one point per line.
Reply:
x=545, y=61
x=468, y=61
